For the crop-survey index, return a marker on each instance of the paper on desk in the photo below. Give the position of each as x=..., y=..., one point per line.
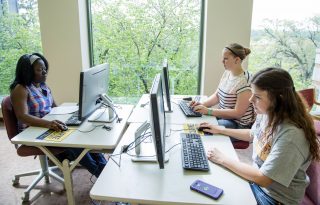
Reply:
x=63, y=110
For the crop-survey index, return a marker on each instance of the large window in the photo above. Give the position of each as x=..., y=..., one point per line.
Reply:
x=20, y=34
x=135, y=36
x=286, y=34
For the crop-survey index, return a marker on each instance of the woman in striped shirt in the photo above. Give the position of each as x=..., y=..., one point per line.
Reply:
x=233, y=93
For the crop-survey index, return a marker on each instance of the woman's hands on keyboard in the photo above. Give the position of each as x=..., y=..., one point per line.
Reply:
x=194, y=103
x=201, y=109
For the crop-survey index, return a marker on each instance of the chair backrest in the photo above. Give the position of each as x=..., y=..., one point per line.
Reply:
x=313, y=189
x=9, y=117
x=308, y=95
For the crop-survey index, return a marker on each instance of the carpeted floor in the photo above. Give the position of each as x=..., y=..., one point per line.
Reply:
x=11, y=163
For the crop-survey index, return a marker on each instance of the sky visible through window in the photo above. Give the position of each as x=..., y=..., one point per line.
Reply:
x=296, y=10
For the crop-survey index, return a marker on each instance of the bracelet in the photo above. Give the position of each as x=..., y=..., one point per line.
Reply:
x=209, y=112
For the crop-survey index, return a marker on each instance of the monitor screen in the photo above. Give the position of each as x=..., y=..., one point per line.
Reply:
x=93, y=82
x=166, y=85
x=157, y=119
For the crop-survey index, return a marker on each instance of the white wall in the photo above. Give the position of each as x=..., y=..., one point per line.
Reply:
x=63, y=25
x=227, y=21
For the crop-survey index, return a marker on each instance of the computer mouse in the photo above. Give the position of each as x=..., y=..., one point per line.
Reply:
x=64, y=127
x=202, y=128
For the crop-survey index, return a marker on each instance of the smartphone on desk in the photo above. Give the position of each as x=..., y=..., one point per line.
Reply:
x=206, y=189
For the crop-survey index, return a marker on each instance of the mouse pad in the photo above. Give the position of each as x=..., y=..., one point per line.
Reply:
x=55, y=136
x=192, y=128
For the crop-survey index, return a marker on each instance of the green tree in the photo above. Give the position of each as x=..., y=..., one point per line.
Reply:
x=135, y=37
x=20, y=34
x=287, y=44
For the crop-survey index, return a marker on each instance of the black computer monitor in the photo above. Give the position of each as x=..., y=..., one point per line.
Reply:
x=157, y=119
x=93, y=83
x=166, y=85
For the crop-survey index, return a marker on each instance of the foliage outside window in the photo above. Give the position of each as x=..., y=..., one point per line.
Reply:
x=289, y=44
x=134, y=37
x=20, y=34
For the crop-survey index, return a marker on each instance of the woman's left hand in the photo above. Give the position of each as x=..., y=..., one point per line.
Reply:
x=214, y=155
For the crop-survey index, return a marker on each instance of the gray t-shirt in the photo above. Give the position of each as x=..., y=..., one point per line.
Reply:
x=285, y=160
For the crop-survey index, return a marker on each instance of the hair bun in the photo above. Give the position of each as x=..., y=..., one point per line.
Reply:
x=247, y=51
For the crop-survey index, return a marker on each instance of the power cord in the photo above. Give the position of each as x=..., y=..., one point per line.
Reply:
x=126, y=148
x=94, y=127
x=114, y=111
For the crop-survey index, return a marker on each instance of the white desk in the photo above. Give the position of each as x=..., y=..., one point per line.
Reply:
x=98, y=139
x=145, y=183
x=141, y=114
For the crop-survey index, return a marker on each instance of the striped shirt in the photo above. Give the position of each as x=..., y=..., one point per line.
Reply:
x=39, y=102
x=228, y=90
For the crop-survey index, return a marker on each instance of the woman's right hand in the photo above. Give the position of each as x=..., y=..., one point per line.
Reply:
x=214, y=129
x=55, y=125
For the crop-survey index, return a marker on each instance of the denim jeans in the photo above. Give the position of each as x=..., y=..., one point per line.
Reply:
x=93, y=162
x=261, y=197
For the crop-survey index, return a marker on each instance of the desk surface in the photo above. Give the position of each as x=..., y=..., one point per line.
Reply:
x=141, y=113
x=98, y=138
x=145, y=183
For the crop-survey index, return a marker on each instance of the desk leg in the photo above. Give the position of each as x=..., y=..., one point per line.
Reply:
x=66, y=168
x=68, y=183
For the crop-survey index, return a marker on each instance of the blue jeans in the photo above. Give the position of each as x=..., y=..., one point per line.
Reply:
x=93, y=162
x=261, y=197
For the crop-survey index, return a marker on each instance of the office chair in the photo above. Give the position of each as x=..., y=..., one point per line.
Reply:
x=312, y=194
x=309, y=97
x=240, y=144
x=11, y=125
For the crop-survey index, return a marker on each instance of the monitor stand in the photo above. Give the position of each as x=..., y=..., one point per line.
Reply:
x=146, y=158
x=166, y=108
x=102, y=115
x=147, y=154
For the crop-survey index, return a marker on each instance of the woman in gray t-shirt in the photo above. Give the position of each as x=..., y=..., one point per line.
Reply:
x=284, y=140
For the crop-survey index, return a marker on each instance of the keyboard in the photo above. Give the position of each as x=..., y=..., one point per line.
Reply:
x=192, y=152
x=187, y=110
x=73, y=120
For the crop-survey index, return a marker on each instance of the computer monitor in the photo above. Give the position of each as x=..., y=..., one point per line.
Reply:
x=158, y=129
x=166, y=85
x=93, y=83
x=157, y=119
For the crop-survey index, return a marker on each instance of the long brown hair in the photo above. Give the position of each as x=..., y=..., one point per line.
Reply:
x=286, y=104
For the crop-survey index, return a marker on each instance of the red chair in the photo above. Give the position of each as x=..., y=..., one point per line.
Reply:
x=309, y=97
x=312, y=194
x=240, y=145
x=11, y=125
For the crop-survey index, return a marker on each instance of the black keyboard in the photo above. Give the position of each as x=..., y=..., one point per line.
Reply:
x=192, y=152
x=187, y=110
x=73, y=120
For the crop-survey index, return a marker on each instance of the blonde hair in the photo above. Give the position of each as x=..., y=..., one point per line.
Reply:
x=238, y=50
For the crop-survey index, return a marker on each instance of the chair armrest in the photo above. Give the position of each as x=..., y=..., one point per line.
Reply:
x=317, y=117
